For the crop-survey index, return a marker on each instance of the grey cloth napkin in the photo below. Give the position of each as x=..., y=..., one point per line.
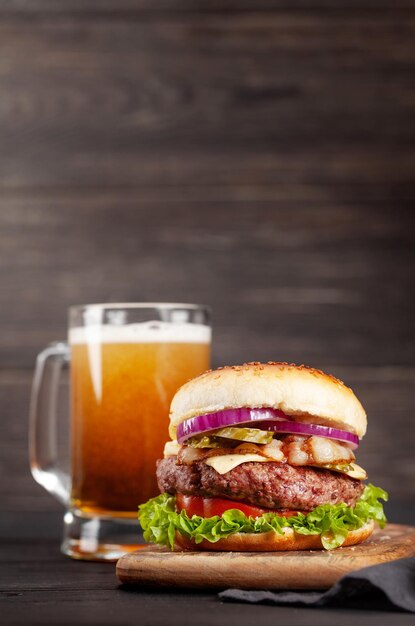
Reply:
x=389, y=586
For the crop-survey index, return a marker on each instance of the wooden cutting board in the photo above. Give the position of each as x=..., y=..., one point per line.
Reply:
x=311, y=569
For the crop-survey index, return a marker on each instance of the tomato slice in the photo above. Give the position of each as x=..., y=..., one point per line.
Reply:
x=218, y=506
x=193, y=505
x=208, y=507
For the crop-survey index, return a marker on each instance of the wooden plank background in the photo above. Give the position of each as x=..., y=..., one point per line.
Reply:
x=256, y=156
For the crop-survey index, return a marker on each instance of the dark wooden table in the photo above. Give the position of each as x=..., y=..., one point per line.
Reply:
x=41, y=586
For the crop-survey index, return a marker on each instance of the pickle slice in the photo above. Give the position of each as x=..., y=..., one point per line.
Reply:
x=204, y=442
x=350, y=469
x=253, y=435
x=218, y=438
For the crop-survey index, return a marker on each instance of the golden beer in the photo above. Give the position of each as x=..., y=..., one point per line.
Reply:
x=122, y=382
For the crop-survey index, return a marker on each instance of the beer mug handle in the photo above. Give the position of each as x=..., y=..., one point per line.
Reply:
x=43, y=430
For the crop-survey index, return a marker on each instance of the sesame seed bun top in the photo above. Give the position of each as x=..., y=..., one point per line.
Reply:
x=297, y=390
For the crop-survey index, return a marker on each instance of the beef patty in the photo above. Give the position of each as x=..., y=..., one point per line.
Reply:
x=268, y=485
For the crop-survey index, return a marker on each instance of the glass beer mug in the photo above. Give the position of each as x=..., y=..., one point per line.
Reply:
x=126, y=363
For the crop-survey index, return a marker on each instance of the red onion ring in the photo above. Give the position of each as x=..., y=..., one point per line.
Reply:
x=212, y=421
x=265, y=419
x=300, y=428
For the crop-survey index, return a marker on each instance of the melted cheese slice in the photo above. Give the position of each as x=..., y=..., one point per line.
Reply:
x=227, y=462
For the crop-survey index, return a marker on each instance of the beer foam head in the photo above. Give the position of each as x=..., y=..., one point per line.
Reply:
x=145, y=332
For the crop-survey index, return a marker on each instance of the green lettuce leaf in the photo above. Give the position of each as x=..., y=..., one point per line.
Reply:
x=160, y=521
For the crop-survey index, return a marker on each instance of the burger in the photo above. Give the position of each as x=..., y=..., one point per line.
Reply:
x=262, y=458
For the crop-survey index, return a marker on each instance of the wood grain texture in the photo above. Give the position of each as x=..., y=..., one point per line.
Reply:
x=309, y=569
x=208, y=99
x=300, y=282
x=92, y=8
x=40, y=586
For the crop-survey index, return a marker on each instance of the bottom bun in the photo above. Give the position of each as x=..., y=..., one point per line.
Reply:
x=271, y=541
